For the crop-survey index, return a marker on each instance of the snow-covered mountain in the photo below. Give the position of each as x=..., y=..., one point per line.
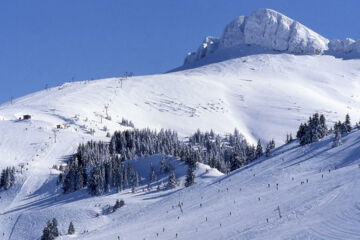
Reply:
x=263, y=93
x=272, y=31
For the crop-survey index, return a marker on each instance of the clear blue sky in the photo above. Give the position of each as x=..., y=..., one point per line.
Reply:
x=50, y=42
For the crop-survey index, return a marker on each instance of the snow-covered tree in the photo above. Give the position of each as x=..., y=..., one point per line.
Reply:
x=172, y=180
x=237, y=161
x=50, y=232
x=162, y=165
x=313, y=131
x=259, y=150
x=96, y=182
x=152, y=176
x=190, y=176
x=337, y=138
x=7, y=178
x=347, y=123
x=100, y=166
x=267, y=151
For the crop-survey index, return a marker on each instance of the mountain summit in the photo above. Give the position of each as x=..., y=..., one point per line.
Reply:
x=268, y=30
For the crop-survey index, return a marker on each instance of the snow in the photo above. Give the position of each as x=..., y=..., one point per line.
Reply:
x=209, y=45
x=263, y=95
x=348, y=48
x=325, y=206
x=273, y=30
x=268, y=30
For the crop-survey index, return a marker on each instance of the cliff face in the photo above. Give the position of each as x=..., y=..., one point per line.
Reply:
x=272, y=30
x=346, y=46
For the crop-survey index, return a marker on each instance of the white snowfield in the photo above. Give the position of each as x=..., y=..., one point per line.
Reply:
x=273, y=31
x=265, y=96
x=262, y=95
x=309, y=192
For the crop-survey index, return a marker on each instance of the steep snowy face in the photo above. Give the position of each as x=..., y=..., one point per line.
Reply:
x=234, y=33
x=268, y=29
x=345, y=46
x=209, y=45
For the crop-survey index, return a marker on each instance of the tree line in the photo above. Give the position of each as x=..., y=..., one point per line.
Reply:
x=316, y=129
x=99, y=166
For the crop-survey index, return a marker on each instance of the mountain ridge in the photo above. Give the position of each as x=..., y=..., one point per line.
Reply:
x=270, y=30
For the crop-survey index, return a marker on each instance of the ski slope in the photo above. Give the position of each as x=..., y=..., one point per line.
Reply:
x=242, y=205
x=255, y=94
x=263, y=95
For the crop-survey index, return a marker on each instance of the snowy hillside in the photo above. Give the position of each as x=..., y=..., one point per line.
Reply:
x=316, y=189
x=239, y=81
x=266, y=30
x=264, y=96
x=308, y=192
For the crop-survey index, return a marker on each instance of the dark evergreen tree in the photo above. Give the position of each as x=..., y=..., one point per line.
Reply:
x=313, y=131
x=71, y=229
x=162, y=165
x=259, y=150
x=323, y=131
x=237, y=161
x=190, y=176
x=96, y=182
x=172, y=180
x=7, y=179
x=119, y=204
x=301, y=132
x=152, y=176
x=50, y=232
x=46, y=234
x=267, y=151
x=54, y=229
x=347, y=123
x=272, y=144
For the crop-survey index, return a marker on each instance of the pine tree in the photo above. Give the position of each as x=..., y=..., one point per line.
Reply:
x=323, y=127
x=54, y=229
x=347, y=123
x=7, y=179
x=272, y=144
x=172, y=180
x=2, y=178
x=236, y=162
x=259, y=150
x=96, y=182
x=50, y=232
x=46, y=234
x=337, y=138
x=162, y=165
x=71, y=229
x=119, y=204
x=152, y=176
x=301, y=132
x=190, y=176
x=267, y=151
